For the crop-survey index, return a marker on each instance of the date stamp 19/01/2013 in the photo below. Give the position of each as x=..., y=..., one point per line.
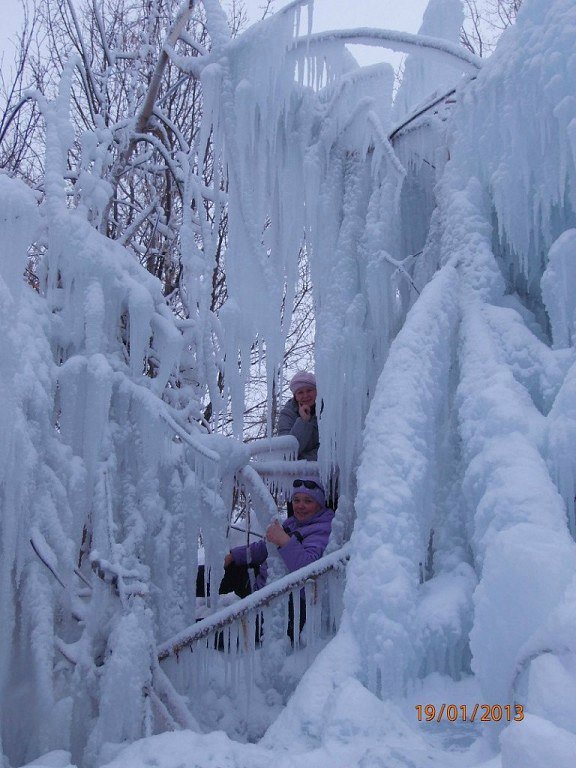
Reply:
x=483, y=713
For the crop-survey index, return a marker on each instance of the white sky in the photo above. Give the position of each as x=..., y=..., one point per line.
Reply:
x=386, y=14
x=405, y=16
x=328, y=14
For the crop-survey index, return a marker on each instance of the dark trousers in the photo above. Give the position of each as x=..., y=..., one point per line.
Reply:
x=290, y=631
x=237, y=579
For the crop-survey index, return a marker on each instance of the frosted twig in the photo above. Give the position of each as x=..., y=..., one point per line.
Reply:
x=64, y=650
x=171, y=125
x=159, y=146
x=87, y=71
x=207, y=453
x=27, y=97
x=243, y=530
x=153, y=88
x=400, y=267
x=161, y=712
x=192, y=66
x=172, y=700
x=255, y=486
x=36, y=549
x=419, y=113
x=189, y=40
x=98, y=16
x=139, y=219
x=83, y=578
x=374, y=120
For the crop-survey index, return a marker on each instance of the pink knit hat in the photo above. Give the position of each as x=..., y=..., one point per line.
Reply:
x=302, y=379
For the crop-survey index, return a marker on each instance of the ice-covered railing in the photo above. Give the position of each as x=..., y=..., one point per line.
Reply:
x=273, y=459
x=280, y=447
x=219, y=651
x=245, y=645
x=289, y=584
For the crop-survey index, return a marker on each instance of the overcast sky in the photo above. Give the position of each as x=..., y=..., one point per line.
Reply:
x=328, y=14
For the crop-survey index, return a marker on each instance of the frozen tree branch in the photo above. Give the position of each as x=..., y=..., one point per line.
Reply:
x=152, y=94
x=403, y=42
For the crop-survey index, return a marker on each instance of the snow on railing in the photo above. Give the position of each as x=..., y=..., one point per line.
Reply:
x=282, y=447
x=279, y=468
x=233, y=652
x=334, y=562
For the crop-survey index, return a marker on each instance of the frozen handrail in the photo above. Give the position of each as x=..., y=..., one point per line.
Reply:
x=281, y=468
x=334, y=561
x=280, y=444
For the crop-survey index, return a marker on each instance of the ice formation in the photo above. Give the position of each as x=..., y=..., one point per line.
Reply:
x=441, y=258
x=421, y=78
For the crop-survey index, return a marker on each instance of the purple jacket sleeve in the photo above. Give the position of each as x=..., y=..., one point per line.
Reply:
x=297, y=554
x=258, y=553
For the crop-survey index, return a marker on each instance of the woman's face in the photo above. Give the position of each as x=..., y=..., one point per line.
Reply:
x=305, y=396
x=305, y=507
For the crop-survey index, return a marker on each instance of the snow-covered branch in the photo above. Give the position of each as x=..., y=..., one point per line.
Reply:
x=404, y=42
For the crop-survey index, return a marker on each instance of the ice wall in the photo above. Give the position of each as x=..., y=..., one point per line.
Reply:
x=104, y=488
x=525, y=159
x=510, y=523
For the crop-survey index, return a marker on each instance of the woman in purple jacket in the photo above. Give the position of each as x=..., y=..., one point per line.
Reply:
x=301, y=540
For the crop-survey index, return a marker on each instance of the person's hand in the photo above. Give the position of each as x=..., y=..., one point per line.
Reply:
x=304, y=412
x=228, y=560
x=276, y=534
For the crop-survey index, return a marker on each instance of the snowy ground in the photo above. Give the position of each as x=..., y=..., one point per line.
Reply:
x=359, y=730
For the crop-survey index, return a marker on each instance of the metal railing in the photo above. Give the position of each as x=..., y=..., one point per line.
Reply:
x=264, y=641
x=335, y=562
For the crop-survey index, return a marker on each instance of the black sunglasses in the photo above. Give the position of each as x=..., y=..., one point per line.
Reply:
x=310, y=484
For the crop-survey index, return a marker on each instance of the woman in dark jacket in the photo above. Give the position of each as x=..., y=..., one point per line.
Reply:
x=298, y=416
